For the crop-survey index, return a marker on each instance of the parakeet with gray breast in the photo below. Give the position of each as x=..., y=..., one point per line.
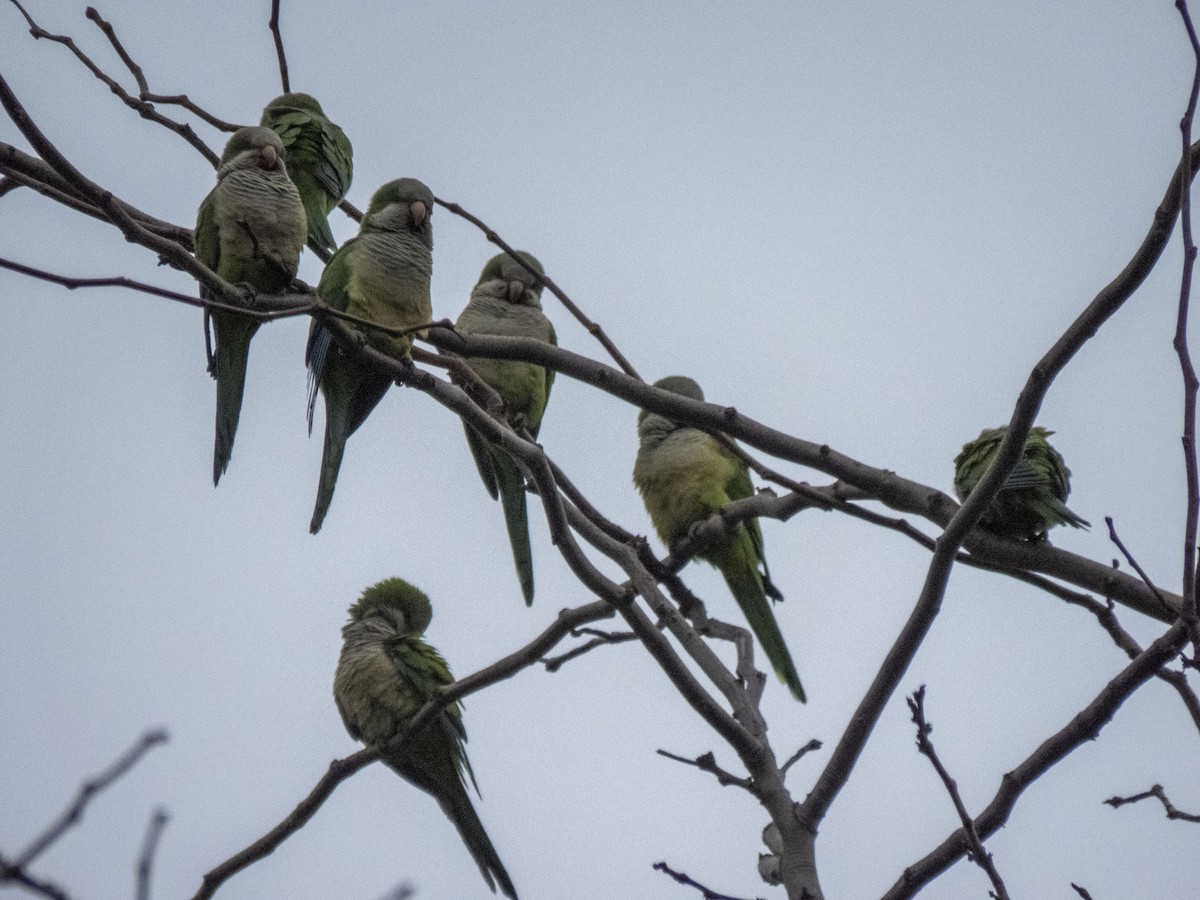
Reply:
x=382, y=275
x=319, y=156
x=385, y=674
x=1032, y=499
x=507, y=302
x=686, y=475
x=249, y=230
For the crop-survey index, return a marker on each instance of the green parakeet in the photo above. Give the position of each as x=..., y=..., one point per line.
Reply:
x=507, y=301
x=381, y=275
x=685, y=475
x=1033, y=496
x=250, y=230
x=386, y=673
x=319, y=156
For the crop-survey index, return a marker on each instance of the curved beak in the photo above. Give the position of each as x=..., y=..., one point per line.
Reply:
x=419, y=212
x=516, y=290
x=270, y=158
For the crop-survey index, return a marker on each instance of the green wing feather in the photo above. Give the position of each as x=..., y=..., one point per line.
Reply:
x=1033, y=497
x=739, y=559
x=351, y=390
x=435, y=758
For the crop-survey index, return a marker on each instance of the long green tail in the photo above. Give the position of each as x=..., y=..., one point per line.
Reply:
x=511, y=484
x=233, y=354
x=738, y=564
x=336, y=432
x=461, y=812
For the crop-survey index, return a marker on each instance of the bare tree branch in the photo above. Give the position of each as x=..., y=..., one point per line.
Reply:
x=145, y=110
x=145, y=866
x=144, y=92
x=1085, y=726
x=705, y=893
x=90, y=789
x=273, y=24
x=976, y=851
x=15, y=874
x=1157, y=792
x=1190, y=382
x=707, y=762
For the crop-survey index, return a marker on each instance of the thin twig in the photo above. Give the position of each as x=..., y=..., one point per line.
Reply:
x=705, y=893
x=600, y=639
x=706, y=762
x=1085, y=726
x=1081, y=891
x=15, y=874
x=145, y=866
x=90, y=789
x=274, y=26
x=1190, y=382
x=812, y=745
x=1157, y=792
x=144, y=109
x=976, y=851
x=144, y=92
x=1112, y=536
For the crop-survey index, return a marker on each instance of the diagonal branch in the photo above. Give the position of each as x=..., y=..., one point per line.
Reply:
x=90, y=789
x=916, y=704
x=1085, y=726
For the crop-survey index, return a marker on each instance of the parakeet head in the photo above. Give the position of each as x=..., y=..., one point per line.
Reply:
x=406, y=607
x=401, y=205
x=520, y=285
x=252, y=146
x=676, y=384
x=305, y=102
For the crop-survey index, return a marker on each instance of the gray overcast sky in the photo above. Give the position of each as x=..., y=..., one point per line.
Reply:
x=859, y=222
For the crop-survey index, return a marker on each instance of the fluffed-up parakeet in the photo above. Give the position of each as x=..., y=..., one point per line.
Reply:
x=1034, y=495
x=381, y=275
x=686, y=475
x=386, y=673
x=250, y=230
x=320, y=158
x=507, y=301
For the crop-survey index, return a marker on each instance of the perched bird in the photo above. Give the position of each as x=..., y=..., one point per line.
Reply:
x=686, y=475
x=249, y=230
x=1034, y=495
x=319, y=156
x=381, y=275
x=507, y=301
x=386, y=673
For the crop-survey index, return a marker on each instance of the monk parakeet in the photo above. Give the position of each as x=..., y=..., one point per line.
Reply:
x=320, y=159
x=250, y=230
x=381, y=275
x=1033, y=496
x=507, y=301
x=685, y=475
x=386, y=673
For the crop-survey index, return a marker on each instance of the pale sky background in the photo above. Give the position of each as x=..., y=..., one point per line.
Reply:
x=859, y=222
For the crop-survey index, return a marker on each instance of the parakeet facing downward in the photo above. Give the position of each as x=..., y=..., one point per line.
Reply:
x=319, y=156
x=386, y=673
x=685, y=475
x=507, y=301
x=250, y=229
x=1034, y=495
x=381, y=275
